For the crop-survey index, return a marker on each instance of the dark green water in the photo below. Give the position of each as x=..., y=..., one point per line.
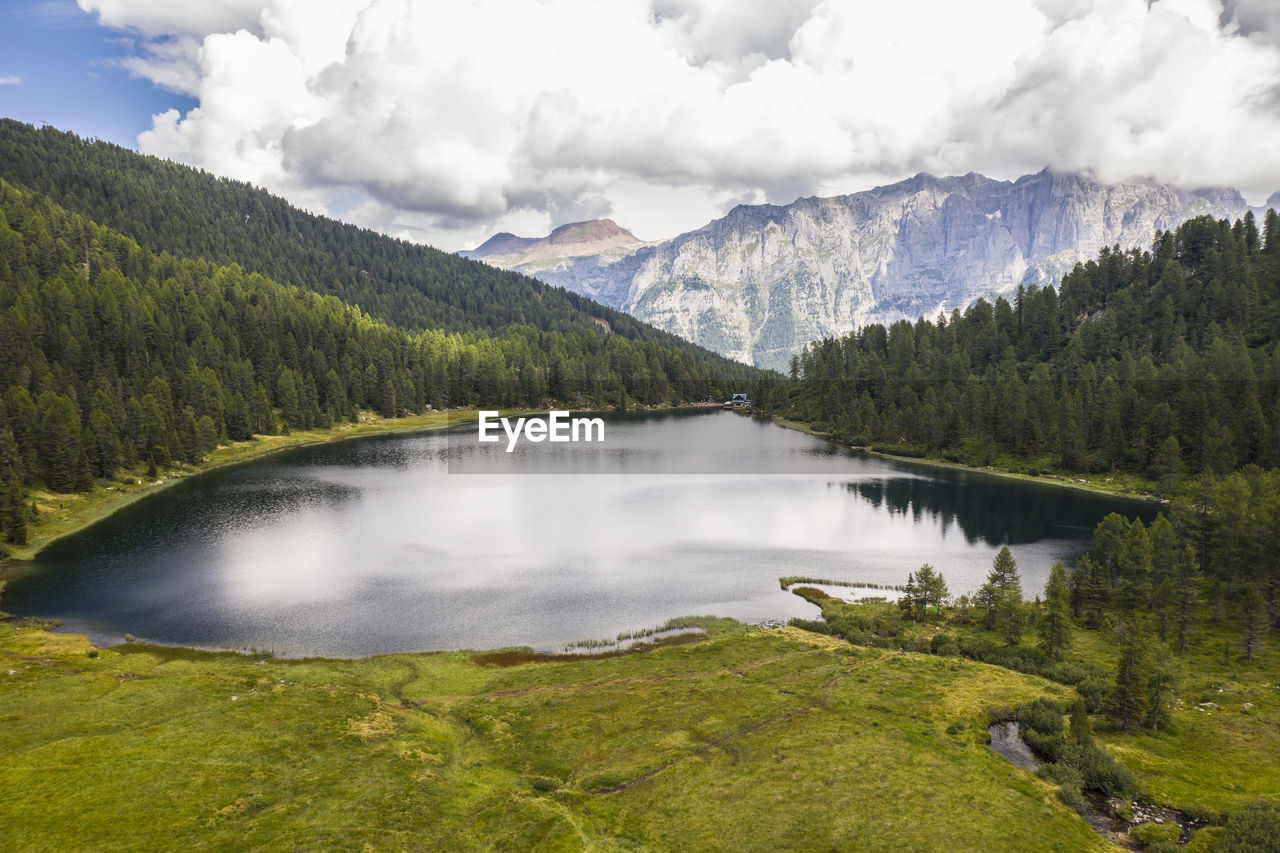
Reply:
x=384, y=544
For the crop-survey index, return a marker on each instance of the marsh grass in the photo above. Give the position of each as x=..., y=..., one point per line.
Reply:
x=737, y=739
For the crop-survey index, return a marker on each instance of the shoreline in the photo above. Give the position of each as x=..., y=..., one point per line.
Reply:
x=1083, y=484
x=88, y=509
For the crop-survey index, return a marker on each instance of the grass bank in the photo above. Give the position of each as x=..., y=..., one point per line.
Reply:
x=60, y=515
x=1223, y=749
x=1116, y=484
x=742, y=740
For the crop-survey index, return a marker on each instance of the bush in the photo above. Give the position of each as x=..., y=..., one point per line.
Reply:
x=1101, y=772
x=1042, y=727
x=1094, y=690
x=1070, y=783
x=1253, y=829
x=1205, y=840
x=908, y=450
x=814, y=625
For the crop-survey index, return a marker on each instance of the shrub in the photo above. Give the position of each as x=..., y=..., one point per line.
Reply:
x=1070, y=783
x=1100, y=771
x=908, y=450
x=1253, y=829
x=1094, y=690
x=814, y=625
x=1205, y=840
x=1042, y=727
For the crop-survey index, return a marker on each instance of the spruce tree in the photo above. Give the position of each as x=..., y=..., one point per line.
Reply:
x=1129, y=701
x=1055, y=627
x=1256, y=621
x=1002, y=596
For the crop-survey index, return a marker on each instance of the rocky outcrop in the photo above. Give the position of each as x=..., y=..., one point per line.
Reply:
x=762, y=281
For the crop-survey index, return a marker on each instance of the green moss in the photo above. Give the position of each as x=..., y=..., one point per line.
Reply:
x=1155, y=833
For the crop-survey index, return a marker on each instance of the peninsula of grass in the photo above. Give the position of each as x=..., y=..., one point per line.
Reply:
x=739, y=740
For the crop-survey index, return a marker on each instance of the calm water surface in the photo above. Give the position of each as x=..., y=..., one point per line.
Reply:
x=431, y=541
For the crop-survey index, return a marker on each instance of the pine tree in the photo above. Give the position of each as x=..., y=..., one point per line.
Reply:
x=1002, y=596
x=1186, y=575
x=1055, y=627
x=1161, y=682
x=931, y=590
x=907, y=602
x=1256, y=621
x=1133, y=591
x=1129, y=701
x=1080, y=732
x=15, y=515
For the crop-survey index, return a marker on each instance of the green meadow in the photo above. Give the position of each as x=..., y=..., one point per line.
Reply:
x=738, y=739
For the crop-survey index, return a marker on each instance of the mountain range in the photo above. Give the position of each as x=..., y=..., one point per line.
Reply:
x=763, y=280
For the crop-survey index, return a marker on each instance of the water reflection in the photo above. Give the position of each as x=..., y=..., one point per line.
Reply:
x=380, y=545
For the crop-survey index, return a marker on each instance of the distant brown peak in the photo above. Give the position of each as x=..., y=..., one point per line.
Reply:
x=591, y=231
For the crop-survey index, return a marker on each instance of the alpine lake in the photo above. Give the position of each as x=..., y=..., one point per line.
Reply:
x=435, y=541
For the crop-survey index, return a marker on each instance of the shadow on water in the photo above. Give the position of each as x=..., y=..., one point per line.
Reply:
x=997, y=511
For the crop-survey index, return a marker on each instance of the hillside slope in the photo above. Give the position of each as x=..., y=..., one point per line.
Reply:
x=191, y=213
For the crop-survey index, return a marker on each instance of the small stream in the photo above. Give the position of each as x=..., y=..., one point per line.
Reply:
x=1006, y=739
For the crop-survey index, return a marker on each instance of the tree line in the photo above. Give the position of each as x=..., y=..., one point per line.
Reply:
x=1160, y=362
x=190, y=213
x=113, y=356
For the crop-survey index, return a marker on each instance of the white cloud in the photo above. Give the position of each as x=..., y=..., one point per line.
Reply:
x=10, y=80
x=449, y=119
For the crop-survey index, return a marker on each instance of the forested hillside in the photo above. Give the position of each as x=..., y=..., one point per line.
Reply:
x=114, y=356
x=1162, y=362
x=1161, y=365
x=191, y=213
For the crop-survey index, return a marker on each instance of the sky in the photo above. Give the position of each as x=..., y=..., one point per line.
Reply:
x=445, y=121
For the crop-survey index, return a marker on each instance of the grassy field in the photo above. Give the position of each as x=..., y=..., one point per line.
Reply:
x=1224, y=749
x=739, y=740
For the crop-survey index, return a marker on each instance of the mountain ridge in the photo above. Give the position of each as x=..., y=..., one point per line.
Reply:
x=761, y=281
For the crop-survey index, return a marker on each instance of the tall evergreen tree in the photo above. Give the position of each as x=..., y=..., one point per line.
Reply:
x=1055, y=625
x=1129, y=702
x=1001, y=595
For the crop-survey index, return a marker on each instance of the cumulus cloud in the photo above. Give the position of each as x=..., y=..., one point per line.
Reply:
x=444, y=120
x=10, y=80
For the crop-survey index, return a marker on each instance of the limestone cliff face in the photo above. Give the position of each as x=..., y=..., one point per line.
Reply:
x=762, y=281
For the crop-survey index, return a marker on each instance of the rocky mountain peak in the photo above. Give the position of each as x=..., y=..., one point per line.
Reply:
x=571, y=240
x=763, y=280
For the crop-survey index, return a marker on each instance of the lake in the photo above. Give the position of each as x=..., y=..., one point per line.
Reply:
x=433, y=541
